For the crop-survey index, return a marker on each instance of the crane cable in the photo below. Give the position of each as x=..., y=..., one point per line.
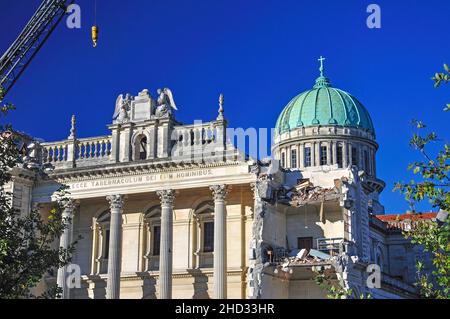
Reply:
x=94, y=27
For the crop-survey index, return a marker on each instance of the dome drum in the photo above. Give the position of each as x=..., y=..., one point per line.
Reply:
x=325, y=127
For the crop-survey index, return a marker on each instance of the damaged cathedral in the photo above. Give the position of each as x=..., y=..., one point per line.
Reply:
x=172, y=210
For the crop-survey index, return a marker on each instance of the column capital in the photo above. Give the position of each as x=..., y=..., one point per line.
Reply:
x=167, y=196
x=115, y=201
x=219, y=191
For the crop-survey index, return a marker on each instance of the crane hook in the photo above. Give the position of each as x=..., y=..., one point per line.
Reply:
x=94, y=35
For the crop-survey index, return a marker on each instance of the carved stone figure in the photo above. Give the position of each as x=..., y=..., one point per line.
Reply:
x=165, y=103
x=122, y=110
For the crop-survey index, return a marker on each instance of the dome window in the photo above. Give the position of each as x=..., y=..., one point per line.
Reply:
x=293, y=158
x=339, y=155
x=307, y=159
x=323, y=155
x=355, y=156
x=366, y=162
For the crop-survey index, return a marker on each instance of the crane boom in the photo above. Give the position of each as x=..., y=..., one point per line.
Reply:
x=15, y=60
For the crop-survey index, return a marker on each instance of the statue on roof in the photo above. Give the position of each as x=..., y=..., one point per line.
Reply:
x=165, y=103
x=122, y=110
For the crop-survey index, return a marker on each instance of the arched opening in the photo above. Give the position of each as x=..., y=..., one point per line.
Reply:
x=101, y=242
x=143, y=148
x=153, y=238
x=140, y=147
x=203, y=235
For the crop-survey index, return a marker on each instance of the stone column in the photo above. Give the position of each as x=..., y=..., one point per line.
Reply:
x=165, y=255
x=317, y=146
x=350, y=150
x=334, y=152
x=115, y=247
x=329, y=153
x=220, y=241
x=64, y=242
x=301, y=156
x=344, y=154
x=313, y=153
x=289, y=156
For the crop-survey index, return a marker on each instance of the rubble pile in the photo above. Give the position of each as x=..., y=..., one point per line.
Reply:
x=303, y=257
x=305, y=191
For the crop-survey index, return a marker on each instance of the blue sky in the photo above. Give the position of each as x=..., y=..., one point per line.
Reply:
x=260, y=54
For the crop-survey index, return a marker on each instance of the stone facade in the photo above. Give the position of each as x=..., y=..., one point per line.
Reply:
x=167, y=210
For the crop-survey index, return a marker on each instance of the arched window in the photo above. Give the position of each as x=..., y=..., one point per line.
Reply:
x=140, y=148
x=143, y=148
x=204, y=235
x=101, y=243
x=153, y=238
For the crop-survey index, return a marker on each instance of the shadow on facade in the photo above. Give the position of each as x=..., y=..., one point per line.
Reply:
x=148, y=286
x=200, y=284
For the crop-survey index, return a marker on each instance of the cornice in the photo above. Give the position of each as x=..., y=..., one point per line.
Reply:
x=130, y=169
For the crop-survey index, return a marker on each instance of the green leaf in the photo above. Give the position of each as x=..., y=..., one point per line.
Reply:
x=416, y=169
x=446, y=67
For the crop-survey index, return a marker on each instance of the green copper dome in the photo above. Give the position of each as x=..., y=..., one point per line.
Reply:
x=323, y=105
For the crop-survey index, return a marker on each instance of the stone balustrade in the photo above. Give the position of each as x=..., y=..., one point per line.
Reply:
x=196, y=143
x=93, y=148
x=54, y=152
x=64, y=153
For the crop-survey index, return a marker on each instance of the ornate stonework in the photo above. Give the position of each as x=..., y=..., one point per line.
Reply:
x=148, y=153
x=115, y=201
x=167, y=196
x=219, y=191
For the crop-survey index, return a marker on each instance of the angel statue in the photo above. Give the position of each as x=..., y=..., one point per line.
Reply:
x=123, y=105
x=165, y=103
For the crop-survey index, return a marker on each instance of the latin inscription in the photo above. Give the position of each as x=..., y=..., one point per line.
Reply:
x=131, y=180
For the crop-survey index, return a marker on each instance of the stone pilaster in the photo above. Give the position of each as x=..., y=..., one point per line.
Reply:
x=314, y=154
x=125, y=142
x=64, y=242
x=334, y=146
x=115, y=247
x=115, y=142
x=220, y=241
x=165, y=255
x=344, y=155
x=350, y=156
x=301, y=156
x=329, y=153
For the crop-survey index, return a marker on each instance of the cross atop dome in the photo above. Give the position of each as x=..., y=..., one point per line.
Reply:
x=322, y=81
x=321, y=59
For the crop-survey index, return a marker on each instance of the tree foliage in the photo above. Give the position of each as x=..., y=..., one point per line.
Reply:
x=27, y=250
x=332, y=282
x=433, y=185
x=335, y=288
